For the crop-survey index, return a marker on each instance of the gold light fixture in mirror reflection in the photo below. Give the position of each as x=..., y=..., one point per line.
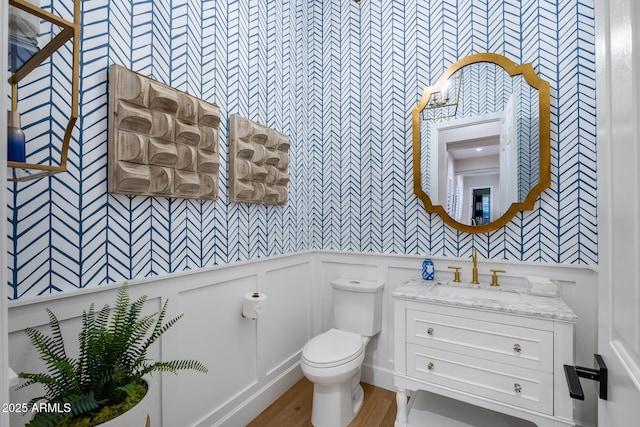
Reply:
x=493, y=92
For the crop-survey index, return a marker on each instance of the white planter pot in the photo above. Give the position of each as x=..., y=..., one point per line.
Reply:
x=137, y=416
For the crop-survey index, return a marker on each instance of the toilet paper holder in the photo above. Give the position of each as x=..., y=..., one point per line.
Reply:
x=252, y=305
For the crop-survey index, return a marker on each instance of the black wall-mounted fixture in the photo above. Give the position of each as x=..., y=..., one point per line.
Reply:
x=573, y=374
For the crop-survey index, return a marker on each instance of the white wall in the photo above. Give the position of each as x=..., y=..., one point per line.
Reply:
x=252, y=362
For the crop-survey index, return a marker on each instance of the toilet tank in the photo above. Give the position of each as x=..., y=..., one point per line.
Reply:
x=357, y=306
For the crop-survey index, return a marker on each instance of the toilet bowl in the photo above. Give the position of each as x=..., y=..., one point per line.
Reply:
x=332, y=362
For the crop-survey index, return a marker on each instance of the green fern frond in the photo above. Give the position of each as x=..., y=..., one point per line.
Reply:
x=174, y=366
x=82, y=404
x=136, y=340
x=159, y=328
x=120, y=308
x=60, y=366
x=102, y=318
x=43, y=343
x=57, y=341
x=129, y=389
x=135, y=310
x=39, y=378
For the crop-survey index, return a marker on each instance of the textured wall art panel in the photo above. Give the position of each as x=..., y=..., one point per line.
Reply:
x=258, y=163
x=162, y=142
x=340, y=79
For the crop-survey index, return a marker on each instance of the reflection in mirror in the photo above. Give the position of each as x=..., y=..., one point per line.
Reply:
x=443, y=103
x=479, y=143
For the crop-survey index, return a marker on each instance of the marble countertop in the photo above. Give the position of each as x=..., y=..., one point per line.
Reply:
x=508, y=299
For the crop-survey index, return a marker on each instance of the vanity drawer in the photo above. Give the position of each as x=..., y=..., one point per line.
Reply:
x=514, y=345
x=494, y=380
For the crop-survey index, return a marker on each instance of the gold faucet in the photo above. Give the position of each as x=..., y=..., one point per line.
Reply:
x=474, y=279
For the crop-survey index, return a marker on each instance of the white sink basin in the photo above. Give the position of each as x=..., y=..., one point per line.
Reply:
x=461, y=292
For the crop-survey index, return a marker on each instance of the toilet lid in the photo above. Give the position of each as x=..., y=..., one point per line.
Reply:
x=332, y=348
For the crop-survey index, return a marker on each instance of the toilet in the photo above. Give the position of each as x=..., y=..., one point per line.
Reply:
x=332, y=360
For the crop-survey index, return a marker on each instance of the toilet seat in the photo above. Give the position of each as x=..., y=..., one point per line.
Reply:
x=332, y=348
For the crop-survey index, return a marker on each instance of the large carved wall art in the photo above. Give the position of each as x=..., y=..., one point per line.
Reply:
x=259, y=163
x=162, y=142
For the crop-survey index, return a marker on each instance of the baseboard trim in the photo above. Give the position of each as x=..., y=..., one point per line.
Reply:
x=256, y=403
x=378, y=376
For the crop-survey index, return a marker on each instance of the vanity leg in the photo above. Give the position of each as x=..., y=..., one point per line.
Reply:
x=401, y=402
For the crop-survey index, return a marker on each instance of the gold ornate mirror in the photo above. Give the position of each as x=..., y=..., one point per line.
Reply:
x=481, y=142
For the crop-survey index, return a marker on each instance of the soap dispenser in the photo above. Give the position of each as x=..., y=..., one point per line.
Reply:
x=428, y=269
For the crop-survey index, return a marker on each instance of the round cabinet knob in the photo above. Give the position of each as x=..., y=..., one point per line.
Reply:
x=430, y=332
x=517, y=348
x=517, y=388
x=430, y=366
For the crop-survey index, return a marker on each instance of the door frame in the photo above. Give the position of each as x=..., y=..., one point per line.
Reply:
x=471, y=207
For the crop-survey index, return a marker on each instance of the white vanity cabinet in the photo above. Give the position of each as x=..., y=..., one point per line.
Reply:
x=484, y=352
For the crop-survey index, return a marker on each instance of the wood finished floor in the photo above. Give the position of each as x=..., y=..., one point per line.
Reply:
x=293, y=408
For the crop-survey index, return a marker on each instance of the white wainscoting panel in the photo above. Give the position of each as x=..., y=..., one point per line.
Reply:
x=220, y=338
x=281, y=333
x=252, y=362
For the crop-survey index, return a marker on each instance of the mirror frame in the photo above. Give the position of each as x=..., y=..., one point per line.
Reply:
x=527, y=71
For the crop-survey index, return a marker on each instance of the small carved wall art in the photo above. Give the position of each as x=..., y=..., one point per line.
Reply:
x=162, y=142
x=258, y=164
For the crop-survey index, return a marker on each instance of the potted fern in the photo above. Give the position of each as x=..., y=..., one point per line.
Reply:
x=108, y=376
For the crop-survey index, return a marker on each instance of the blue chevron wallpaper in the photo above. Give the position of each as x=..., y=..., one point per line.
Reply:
x=340, y=78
